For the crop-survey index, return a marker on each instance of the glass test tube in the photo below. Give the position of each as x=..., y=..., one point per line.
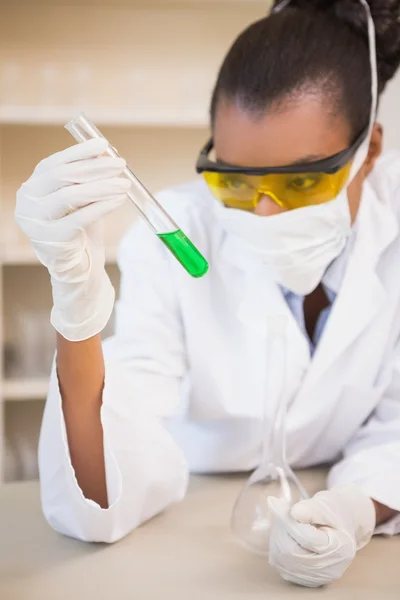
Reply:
x=82, y=129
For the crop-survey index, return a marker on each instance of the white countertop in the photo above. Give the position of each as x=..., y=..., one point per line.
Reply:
x=188, y=553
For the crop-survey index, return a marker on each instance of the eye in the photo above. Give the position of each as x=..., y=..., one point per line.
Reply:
x=304, y=183
x=235, y=184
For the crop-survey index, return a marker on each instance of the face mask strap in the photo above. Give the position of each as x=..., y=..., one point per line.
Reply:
x=362, y=153
x=281, y=6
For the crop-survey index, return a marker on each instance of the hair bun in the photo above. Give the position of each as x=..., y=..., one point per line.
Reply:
x=386, y=17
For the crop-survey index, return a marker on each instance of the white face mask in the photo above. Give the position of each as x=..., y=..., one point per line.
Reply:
x=299, y=245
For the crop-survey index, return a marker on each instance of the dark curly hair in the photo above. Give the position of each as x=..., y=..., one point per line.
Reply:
x=312, y=47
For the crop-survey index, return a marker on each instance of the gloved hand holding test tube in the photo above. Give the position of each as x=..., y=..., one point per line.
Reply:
x=82, y=129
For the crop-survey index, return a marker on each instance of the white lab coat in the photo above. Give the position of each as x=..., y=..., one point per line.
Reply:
x=185, y=372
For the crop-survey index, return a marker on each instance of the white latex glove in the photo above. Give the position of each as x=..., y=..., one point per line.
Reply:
x=59, y=209
x=315, y=541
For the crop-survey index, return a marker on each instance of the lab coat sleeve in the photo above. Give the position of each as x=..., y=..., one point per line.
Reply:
x=372, y=457
x=145, y=365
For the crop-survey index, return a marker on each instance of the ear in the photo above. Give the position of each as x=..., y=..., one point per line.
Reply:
x=375, y=148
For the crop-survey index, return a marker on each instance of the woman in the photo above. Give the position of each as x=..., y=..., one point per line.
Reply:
x=180, y=386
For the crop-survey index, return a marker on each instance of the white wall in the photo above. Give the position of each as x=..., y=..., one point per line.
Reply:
x=389, y=114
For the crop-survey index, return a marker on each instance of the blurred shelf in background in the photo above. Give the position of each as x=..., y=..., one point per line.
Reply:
x=25, y=389
x=24, y=255
x=34, y=115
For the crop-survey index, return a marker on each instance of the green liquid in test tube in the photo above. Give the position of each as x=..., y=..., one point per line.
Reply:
x=82, y=129
x=184, y=251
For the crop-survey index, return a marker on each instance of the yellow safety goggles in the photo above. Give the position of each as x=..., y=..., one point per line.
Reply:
x=291, y=187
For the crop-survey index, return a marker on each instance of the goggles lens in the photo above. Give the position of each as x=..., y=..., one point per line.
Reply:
x=288, y=190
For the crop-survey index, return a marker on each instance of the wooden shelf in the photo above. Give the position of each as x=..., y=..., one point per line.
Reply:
x=25, y=256
x=15, y=390
x=42, y=115
x=163, y=4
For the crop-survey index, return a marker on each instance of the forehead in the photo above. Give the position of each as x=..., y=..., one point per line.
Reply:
x=298, y=132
